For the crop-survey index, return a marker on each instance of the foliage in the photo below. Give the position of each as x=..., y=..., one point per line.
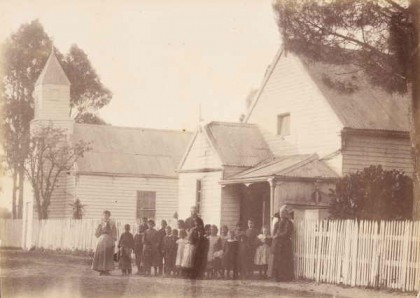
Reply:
x=78, y=209
x=23, y=57
x=376, y=36
x=87, y=92
x=51, y=155
x=373, y=193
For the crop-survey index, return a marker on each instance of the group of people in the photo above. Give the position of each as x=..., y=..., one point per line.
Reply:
x=194, y=250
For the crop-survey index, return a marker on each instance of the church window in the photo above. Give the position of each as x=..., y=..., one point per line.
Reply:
x=283, y=124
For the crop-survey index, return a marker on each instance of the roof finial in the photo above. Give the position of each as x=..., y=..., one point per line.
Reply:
x=52, y=46
x=200, y=118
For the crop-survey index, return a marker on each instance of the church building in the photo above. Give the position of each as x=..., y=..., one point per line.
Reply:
x=129, y=171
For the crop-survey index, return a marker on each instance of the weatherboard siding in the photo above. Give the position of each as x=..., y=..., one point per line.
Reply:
x=119, y=195
x=52, y=102
x=201, y=155
x=60, y=199
x=313, y=124
x=211, y=192
x=231, y=206
x=361, y=151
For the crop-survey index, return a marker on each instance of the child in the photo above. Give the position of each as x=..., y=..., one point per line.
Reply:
x=151, y=248
x=241, y=257
x=230, y=253
x=224, y=234
x=180, y=250
x=125, y=245
x=162, y=234
x=214, y=246
x=263, y=252
x=138, y=247
x=251, y=243
x=169, y=251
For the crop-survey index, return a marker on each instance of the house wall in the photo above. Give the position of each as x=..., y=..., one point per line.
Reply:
x=119, y=195
x=211, y=191
x=314, y=126
x=61, y=198
x=231, y=205
x=299, y=193
x=201, y=155
x=361, y=151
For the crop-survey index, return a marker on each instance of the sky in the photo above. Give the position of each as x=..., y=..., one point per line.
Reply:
x=162, y=59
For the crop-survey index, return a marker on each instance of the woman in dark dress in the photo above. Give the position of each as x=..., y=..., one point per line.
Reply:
x=282, y=248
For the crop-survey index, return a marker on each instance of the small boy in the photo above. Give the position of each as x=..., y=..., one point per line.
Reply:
x=169, y=250
x=125, y=245
x=230, y=254
x=138, y=247
x=251, y=243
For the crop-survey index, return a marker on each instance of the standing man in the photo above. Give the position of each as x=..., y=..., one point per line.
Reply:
x=189, y=222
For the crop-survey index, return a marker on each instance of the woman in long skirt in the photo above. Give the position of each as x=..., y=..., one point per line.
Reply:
x=282, y=248
x=106, y=232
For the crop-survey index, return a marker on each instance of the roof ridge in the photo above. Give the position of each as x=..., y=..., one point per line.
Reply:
x=231, y=123
x=135, y=128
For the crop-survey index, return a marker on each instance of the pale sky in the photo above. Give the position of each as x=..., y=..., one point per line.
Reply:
x=161, y=59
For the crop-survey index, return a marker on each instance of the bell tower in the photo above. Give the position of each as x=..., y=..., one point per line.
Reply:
x=52, y=95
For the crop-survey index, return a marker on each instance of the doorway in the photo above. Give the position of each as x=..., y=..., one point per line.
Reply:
x=255, y=204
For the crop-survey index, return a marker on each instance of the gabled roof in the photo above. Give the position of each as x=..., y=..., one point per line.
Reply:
x=131, y=151
x=292, y=166
x=360, y=106
x=237, y=144
x=52, y=73
x=367, y=106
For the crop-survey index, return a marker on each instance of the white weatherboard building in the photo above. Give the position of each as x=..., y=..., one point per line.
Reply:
x=129, y=171
x=308, y=124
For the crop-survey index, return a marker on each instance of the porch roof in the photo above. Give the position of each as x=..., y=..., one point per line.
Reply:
x=292, y=167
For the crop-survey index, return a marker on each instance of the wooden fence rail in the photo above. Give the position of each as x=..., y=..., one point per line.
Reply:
x=365, y=253
x=382, y=254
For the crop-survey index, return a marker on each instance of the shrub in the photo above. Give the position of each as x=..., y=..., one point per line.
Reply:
x=373, y=193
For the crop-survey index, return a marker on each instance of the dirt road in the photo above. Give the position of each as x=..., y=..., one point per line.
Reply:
x=34, y=274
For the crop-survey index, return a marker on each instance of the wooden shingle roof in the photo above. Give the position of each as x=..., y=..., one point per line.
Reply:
x=131, y=151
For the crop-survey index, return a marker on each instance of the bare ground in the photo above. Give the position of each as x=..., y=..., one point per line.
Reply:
x=35, y=274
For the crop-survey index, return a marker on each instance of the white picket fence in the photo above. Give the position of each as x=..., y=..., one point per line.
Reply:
x=366, y=253
x=382, y=254
x=11, y=232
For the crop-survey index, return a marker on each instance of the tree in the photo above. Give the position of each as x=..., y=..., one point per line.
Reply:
x=23, y=56
x=379, y=37
x=78, y=209
x=373, y=194
x=51, y=155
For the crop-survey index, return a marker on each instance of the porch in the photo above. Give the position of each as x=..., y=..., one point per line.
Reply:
x=302, y=182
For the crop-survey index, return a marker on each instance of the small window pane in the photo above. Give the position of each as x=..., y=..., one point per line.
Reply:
x=283, y=124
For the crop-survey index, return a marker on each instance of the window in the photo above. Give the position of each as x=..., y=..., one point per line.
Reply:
x=146, y=204
x=198, y=194
x=283, y=124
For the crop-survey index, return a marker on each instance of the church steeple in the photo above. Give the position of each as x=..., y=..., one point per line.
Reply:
x=52, y=92
x=53, y=73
